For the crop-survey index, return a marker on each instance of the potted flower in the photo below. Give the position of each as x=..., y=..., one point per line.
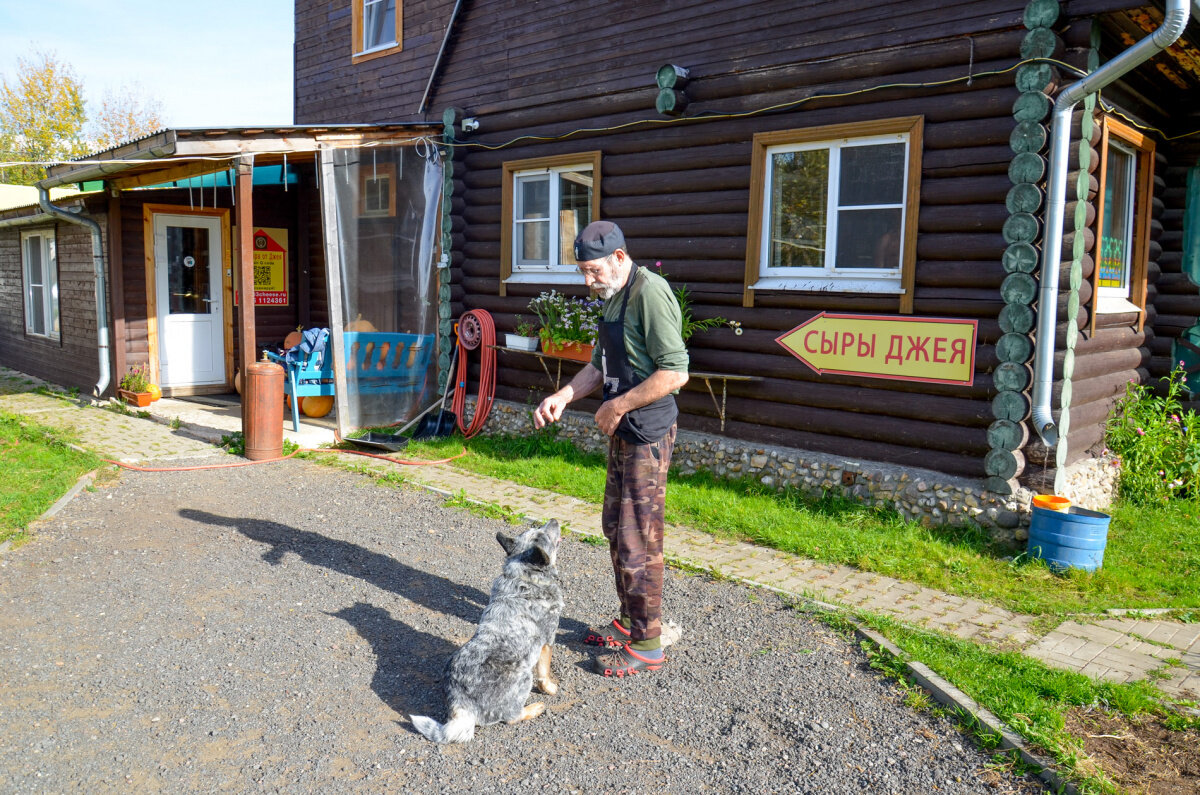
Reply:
x=523, y=337
x=568, y=324
x=134, y=387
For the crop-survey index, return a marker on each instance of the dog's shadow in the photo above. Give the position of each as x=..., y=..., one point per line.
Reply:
x=402, y=651
x=410, y=663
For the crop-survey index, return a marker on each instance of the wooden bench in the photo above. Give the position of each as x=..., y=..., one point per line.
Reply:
x=377, y=362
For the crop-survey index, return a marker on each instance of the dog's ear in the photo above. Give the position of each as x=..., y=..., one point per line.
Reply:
x=506, y=542
x=538, y=556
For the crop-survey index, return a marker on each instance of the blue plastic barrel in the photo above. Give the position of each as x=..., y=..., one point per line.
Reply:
x=1072, y=539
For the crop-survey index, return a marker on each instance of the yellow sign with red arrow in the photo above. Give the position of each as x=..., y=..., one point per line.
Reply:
x=935, y=350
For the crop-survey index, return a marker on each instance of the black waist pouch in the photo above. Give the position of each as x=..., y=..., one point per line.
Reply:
x=650, y=423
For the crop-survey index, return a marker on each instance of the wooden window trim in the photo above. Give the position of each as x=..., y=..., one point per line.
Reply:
x=913, y=125
x=510, y=169
x=356, y=52
x=1143, y=146
x=43, y=234
x=366, y=172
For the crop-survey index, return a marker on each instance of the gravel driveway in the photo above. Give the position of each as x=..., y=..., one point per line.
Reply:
x=270, y=629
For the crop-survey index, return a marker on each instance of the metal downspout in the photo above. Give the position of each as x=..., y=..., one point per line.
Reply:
x=101, y=288
x=1174, y=22
x=437, y=61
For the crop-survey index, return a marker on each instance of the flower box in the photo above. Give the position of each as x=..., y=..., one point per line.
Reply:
x=576, y=351
x=519, y=343
x=139, y=399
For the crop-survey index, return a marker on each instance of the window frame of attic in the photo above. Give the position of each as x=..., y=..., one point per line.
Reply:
x=1140, y=147
x=762, y=276
x=358, y=51
x=556, y=273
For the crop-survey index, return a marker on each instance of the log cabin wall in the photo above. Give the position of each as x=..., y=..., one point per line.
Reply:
x=1177, y=297
x=71, y=360
x=1104, y=352
x=681, y=190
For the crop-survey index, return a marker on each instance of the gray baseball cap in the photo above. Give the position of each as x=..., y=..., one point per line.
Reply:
x=597, y=240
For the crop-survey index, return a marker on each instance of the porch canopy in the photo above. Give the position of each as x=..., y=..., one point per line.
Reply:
x=380, y=188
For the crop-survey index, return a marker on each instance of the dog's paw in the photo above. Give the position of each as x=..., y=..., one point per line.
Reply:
x=548, y=686
x=530, y=711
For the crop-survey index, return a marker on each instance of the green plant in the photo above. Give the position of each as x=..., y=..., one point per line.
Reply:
x=565, y=319
x=690, y=325
x=1156, y=442
x=137, y=379
x=524, y=328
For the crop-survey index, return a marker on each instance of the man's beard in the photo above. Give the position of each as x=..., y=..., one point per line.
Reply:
x=606, y=292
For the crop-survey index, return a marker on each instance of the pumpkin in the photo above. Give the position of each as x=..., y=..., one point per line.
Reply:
x=155, y=392
x=358, y=324
x=316, y=405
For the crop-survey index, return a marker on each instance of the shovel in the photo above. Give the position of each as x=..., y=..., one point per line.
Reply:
x=442, y=424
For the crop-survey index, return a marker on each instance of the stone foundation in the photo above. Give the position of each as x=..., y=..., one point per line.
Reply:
x=931, y=498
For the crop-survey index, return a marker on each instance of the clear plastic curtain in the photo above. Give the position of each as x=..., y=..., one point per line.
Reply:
x=380, y=213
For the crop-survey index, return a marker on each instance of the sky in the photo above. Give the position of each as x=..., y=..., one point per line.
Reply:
x=210, y=64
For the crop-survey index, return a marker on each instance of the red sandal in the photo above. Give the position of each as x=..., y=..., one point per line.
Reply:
x=609, y=640
x=626, y=662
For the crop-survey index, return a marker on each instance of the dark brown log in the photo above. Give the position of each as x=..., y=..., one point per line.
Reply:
x=962, y=218
x=848, y=425
x=978, y=246
x=978, y=274
x=962, y=190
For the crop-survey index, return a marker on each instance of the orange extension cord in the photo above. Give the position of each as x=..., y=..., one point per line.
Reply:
x=401, y=461
x=476, y=329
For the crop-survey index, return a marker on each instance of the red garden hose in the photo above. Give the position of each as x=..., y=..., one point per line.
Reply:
x=476, y=330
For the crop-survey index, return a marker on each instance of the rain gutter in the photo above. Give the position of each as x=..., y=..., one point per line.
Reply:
x=101, y=290
x=25, y=220
x=1175, y=20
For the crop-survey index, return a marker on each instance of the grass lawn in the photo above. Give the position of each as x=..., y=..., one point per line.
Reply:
x=39, y=467
x=1152, y=559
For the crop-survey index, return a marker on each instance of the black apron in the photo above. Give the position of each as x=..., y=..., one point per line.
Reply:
x=651, y=422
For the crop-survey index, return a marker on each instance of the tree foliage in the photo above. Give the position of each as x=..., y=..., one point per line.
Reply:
x=125, y=115
x=41, y=117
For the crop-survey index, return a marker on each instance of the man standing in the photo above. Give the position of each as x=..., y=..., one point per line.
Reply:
x=641, y=361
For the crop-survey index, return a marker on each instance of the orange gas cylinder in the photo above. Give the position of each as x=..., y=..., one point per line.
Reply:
x=262, y=411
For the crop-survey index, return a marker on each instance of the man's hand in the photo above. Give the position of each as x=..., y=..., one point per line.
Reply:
x=609, y=417
x=660, y=384
x=550, y=410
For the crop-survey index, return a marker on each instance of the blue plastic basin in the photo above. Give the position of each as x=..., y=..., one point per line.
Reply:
x=1074, y=539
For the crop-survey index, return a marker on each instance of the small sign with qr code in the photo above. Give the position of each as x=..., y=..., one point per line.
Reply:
x=270, y=266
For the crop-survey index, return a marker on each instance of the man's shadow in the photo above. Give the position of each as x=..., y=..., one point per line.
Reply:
x=398, y=647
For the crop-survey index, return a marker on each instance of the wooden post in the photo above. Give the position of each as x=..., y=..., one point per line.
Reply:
x=116, y=281
x=245, y=272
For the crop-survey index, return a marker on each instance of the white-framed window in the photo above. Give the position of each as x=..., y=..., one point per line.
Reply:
x=834, y=209
x=378, y=28
x=546, y=203
x=39, y=268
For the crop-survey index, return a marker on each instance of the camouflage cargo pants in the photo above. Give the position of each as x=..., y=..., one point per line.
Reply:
x=634, y=496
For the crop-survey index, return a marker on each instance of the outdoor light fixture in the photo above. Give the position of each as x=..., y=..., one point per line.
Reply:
x=470, y=124
x=671, y=79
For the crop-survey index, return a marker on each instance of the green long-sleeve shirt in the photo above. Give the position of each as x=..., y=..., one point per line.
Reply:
x=652, y=326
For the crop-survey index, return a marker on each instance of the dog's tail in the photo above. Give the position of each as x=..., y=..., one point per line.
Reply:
x=459, y=729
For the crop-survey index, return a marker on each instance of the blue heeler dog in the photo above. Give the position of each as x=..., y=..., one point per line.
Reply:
x=489, y=679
